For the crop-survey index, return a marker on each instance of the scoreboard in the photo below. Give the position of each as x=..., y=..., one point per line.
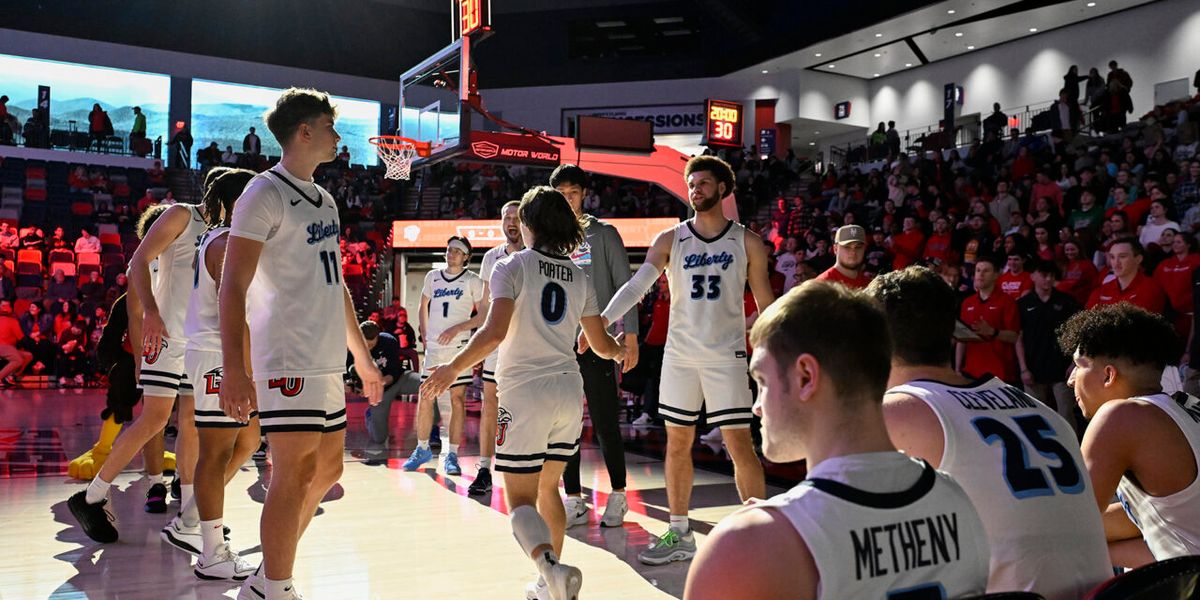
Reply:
x=473, y=16
x=723, y=123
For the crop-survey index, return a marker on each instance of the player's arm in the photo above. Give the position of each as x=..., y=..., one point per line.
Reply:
x=478, y=347
x=756, y=273
x=364, y=365
x=474, y=322
x=914, y=428
x=169, y=226
x=753, y=554
x=658, y=257
x=241, y=263
x=1108, y=448
x=133, y=312
x=618, y=272
x=422, y=319
x=600, y=341
x=214, y=263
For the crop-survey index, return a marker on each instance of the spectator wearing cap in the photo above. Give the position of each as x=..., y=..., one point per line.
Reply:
x=1129, y=283
x=1015, y=281
x=992, y=315
x=1043, y=365
x=849, y=249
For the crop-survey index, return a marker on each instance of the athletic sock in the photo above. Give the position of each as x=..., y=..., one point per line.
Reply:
x=213, y=535
x=545, y=560
x=453, y=448
x=680, y=524
x=278, y=588
x=97, y=490
x=485, y=462
x=423, y=444
x=155, y=478
x=189, y=514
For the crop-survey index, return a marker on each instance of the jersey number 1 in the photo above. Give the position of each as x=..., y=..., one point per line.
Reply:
x=329, y=258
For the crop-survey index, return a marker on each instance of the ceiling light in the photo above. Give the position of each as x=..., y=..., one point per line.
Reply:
x=1091, y=4
x=958, y=34
x=830, y=66
x=1033, y=30
x=816, y=133
x=765, y=71
x=812, y=143
x=818, y=55
x=879, y=35
x=970, y=47
x=908, y=64
x=607, y=24
x=877, y=74
x=665, y=20
x=950, y=12
x=877, y=55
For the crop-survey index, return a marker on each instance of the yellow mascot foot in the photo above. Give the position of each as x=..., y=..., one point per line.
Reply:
x=168, y=461
x=86, y=465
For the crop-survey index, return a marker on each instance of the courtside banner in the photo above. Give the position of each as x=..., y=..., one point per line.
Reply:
x=636, y=233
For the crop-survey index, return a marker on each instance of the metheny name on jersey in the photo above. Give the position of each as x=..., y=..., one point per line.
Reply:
x=320, y=231
x=704, y=259
x=555, y=270
x=1004, y=398
x=897, y=547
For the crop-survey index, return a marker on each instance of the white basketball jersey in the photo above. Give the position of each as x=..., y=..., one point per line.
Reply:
x=708, y=280
x=296, y=303
x=173, y=286
x=1021, y=465
x=1169, y=524
x=202, y=325
x=551, y=294
x=489, y=261
x=882, y=525
x=452, y=299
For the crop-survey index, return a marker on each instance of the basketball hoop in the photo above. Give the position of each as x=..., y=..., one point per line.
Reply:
x=398, y=153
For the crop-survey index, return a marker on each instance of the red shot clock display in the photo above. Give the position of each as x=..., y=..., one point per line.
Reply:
x=723, y=124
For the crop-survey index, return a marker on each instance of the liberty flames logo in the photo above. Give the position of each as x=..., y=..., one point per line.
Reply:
x=212, y=382
x=151, y=356
x=503, y=419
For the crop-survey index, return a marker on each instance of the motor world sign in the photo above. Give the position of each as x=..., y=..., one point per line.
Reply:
x=511, y=148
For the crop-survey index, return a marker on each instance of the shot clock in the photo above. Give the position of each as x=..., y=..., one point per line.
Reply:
x=723, y=124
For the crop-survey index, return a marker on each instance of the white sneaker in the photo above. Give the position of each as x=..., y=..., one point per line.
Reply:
x=183, y=537
x=537, y=590
x=224, y=564
x=564, y=582
x=713, y=436
x=614, y=512
x=255, y=586
x=643, y=421
x=577, y=511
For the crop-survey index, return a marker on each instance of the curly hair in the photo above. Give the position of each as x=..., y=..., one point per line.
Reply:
x=220, y=194
x=1121, y=331
x=149, y=216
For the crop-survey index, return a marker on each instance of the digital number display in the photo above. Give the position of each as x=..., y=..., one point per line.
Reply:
x=471, y=16
x=724, y=123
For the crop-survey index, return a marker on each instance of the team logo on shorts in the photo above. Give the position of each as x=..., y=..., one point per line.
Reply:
x=502, y=420
x=212, y=382
x=290, y=387
x=152, y=355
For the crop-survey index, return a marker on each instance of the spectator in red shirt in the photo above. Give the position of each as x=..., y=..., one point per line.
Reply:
x=1044, y=187
x=1015, y=281
x=1174, y=274
x=993, y=316
x=10, y=334
x=908, y=244
x=1079, y=274
x=1134, y=211
x=1130, y=285
x=939, y=245
x=849, y=249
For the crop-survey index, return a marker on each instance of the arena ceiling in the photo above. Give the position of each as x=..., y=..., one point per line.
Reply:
x=537, y=42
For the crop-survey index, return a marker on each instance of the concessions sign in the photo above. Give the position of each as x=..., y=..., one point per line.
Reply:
x=636, y=233
x=511, y=148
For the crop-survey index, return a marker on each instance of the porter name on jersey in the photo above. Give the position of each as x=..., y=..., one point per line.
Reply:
x=897, y=547
x=557, y=271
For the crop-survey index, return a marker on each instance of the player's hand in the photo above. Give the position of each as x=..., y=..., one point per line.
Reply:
x=581, y=345
x=983, y=328
x=631, y=352
x=372, y=381
x=448, y=335
x=153, y=332
x=439, y=380
x=1026, y=377
x=237, y=395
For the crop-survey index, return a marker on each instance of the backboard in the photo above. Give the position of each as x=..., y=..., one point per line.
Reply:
x=433, y=95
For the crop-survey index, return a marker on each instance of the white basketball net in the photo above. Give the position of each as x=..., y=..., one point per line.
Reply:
x=397, y=155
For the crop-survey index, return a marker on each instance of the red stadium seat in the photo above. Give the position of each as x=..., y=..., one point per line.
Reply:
x=87, y=258
x=68, y=268
x=20, y=306
x=35, y=194
x=8, y=254
x=1171, y=579
x=82, y=209
x=30, y=256
x=111, y=238
x=62, y=255
x=86, y=269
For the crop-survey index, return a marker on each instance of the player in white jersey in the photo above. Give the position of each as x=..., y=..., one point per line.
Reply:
x=283, y=268
x=156, y=308
x=1140, y=444
x=709, y=259
x=225, y=443
x=868, y=522
x=1017, y=459
x=510, y=224
x=539, y=299
x=449, y=297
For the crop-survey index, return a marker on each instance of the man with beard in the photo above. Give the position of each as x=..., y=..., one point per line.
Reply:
x=704, y=361
x=850, y=245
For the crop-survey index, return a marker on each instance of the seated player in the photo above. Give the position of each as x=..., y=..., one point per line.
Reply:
x=868, y=521
x=1016, y=458
x=448, y=298
x=539, y=299
x=1141, y=444
x=398, y=379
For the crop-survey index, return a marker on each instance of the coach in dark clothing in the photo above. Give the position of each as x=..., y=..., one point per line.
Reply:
x=603, y=258
x=1043, y=365
x=399, y=377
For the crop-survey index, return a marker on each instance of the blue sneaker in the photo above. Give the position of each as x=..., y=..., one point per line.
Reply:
x=450, y=464
x=418, y=457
